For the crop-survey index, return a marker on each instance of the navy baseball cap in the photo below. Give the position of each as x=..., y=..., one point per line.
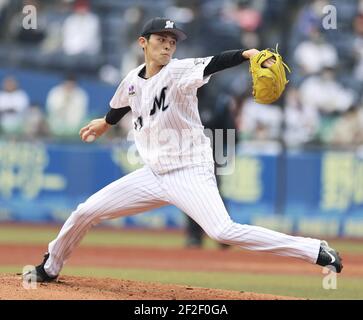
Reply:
x=156, y=25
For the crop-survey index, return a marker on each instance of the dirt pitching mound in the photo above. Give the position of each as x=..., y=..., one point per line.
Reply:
x=85, y=288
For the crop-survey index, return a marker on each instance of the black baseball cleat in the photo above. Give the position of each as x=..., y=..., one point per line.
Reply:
x=329, y=258
x=41, y=275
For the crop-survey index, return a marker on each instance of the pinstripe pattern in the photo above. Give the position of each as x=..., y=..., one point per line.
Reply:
x=179, y=170
x=197, y=195
x=194, y=191
x=136, y=192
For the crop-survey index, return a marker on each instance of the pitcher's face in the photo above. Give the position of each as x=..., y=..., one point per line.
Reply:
x=159, y=48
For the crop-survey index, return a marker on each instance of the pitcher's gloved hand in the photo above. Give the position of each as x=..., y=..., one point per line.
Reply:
x=268, y=75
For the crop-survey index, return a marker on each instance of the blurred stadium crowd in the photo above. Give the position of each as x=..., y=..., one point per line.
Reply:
x=322, y=106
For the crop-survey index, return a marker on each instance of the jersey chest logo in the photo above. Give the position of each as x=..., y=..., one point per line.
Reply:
x=159, y=103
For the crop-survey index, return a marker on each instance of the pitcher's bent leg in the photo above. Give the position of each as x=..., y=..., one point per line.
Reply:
x=195, y=192
x=137, y=192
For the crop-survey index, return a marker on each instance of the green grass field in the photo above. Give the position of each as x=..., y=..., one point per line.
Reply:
x=101, y=237
x=291, y=285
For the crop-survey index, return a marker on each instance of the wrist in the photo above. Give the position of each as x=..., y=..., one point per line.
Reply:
x=105, y=123
x=248, y=54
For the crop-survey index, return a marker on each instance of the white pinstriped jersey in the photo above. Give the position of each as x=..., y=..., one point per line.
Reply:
x=167, y=128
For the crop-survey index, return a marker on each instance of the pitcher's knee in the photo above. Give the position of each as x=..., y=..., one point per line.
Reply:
x=220, y=237
x=224, y=234
x=82, y=214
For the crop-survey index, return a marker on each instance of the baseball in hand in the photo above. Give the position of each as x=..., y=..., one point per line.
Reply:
x=90, y=138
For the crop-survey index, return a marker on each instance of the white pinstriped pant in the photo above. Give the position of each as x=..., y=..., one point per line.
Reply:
x=194, y=191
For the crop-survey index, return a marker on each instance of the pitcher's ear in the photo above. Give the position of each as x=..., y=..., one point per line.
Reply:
x=142, y=41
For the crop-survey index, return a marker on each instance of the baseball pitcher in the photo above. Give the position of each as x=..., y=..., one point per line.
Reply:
x=179, y=168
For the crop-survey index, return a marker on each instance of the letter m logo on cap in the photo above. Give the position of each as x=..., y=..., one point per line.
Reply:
x=169, y=24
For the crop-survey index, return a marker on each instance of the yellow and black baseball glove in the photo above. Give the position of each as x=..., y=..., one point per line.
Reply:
x=268, y=82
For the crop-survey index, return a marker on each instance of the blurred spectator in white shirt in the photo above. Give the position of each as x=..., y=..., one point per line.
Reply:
x=13, y=105
x=260, y=121
x=324, y=93
x=67, y=107
x=314, y=54
x=81, y=31
x=301, y=121
x=348, y=129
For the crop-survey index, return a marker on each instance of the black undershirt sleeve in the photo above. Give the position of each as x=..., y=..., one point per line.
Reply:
x=115, y=115
x=224, y=60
